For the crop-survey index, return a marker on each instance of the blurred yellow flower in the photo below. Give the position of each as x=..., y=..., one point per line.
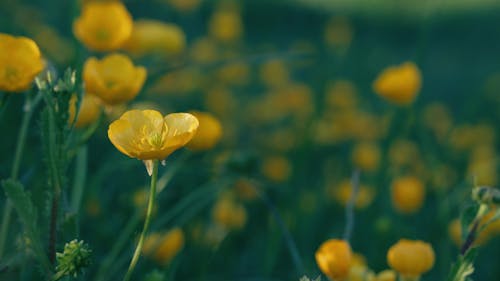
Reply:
x=360, y=273
x=229, y=214
x=114, y=79
x=386, y=275
x=455, y=232
x=90, y=109
x=162, y=248
x=343, y=192
x=246, y=189
x=274, y=73
x=408, y=194
x=399, y=84
x=185, y=5
x=366, y=156
x=226, y=25
x=20, y=62
x=411, y=258
x=147, y=135
x=276, y=168
x=334, y=258
x=103, y=25
x=152, y=36
x=341, y=94
x=208, y=134
x=338, y=32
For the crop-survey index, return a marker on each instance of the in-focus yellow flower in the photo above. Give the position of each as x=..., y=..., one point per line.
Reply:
x=20, y=62
x=399, y=84
x=152, y=36
x=90, y=109
x=334, y=258
x=226, y=25
x=229, y=214
x=147, y=135
x=408, y=194
x=208, y=134
x=103, y=25
x=114, y=79
x=162, y=248
x=411, y=258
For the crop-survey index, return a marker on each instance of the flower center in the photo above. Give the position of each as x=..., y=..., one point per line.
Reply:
x=155, y=139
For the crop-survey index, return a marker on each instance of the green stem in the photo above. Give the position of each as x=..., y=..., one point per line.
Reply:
x=124, y=237
x=152, y=194
x=29, y=107
x=79, y=180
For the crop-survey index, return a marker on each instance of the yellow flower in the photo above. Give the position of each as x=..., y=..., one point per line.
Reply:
x=114, y=79
x=229, y=214
x=366, y=156
x=334, y=258
x=20, y=62
x=338, y=32
x=411, y=258
x=276, y=168
x=399, y=84
x=90, y=109
x=342, y=193
x=185, y=5
x=386, y=275
x=408, y=194
x=151, y=36
x=455, y=232
x=226, y=25
x=162, y=248
x=103, y=26
x=147, y=135
x=208, y=134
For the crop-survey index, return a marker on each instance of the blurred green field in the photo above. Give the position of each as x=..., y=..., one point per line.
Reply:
x=293, y=87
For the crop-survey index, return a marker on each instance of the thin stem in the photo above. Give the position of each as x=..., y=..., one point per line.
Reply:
x=79, y=180
x=29, y=106
x=118, y=246
x=349, y=208
x=287, y=236
x=152, y=194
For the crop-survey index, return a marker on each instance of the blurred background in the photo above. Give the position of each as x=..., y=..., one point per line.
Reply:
x=291, y=84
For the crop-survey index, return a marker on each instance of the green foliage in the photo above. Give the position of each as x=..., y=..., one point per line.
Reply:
x=23, y=205
x=464, y=267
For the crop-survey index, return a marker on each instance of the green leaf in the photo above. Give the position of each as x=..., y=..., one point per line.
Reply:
x=23, y=205
x=467, y=217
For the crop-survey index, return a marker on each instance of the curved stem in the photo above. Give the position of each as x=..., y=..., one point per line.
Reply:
x=29, y=107
x=152, y=193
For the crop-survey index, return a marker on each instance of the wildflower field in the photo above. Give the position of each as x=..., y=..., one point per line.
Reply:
x=219, y=140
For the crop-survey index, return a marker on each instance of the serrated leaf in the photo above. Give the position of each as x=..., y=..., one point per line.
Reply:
x=23, y=205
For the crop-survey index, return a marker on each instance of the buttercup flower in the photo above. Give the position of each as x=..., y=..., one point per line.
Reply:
x=151, y=36
x=411, y=258
x=147, y=135
x=226, y=25
x=90, y=109
x=103, y=26
x=162, y=248
x=114, y=79
x=209, y=132
x=20, y=62
x=334, y=258
x=407, y=194
x=399, y=84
